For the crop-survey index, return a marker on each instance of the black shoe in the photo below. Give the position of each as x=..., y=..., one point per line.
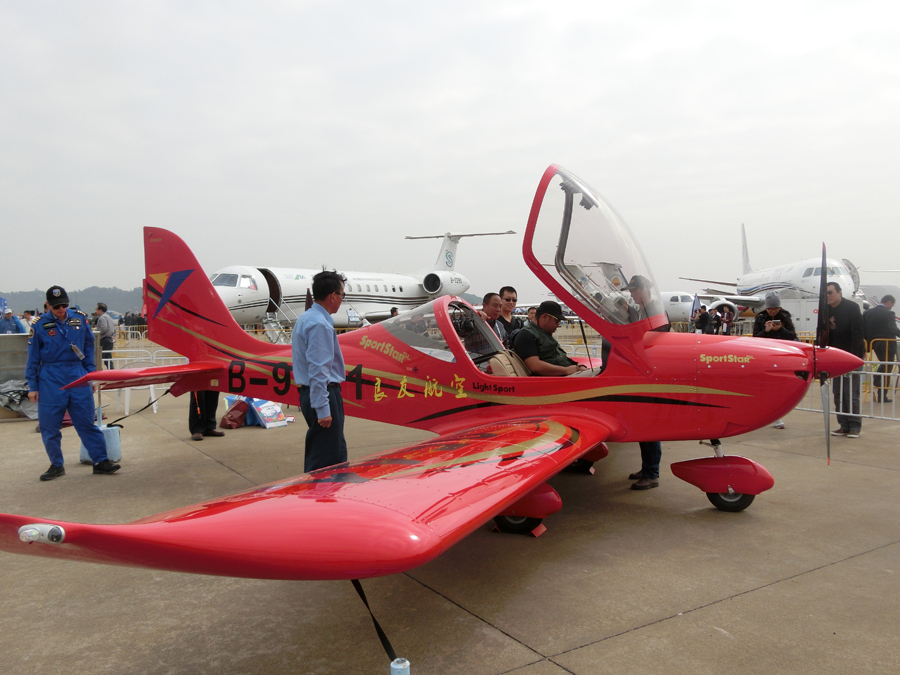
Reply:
x=106, y=467
x=53, y=472
x=213, y=432
x=645, y=484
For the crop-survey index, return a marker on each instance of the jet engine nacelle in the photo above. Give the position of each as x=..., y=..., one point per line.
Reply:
x=722, y=305
x=445, y=283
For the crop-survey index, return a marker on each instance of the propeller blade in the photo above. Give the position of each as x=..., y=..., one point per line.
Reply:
x=826, y=409
x=822, y=327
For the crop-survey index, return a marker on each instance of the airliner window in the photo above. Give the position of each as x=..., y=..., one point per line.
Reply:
x=808, y=272
x=225, y=280
x=418, y=329
x=248, y=282
x=586, y=245
x=685, y=298
x=674, y=298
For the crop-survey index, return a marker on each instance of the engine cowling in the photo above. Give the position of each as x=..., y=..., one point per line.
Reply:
x=445, y=283
x=722, y=305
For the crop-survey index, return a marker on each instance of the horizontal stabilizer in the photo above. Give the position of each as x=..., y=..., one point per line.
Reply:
x=457, y=236
x=142, y=377
x=446, y=259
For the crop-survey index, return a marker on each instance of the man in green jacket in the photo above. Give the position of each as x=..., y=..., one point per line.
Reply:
x=538, y=348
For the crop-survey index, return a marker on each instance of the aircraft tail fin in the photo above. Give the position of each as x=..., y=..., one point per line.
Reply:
x=446, y=259
x=184, y=312
x=746, y=256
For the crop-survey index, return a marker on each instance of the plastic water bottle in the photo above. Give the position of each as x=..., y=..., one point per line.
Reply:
x=400, y=666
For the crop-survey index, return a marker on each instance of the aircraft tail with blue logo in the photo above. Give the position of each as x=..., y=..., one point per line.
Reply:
x=186, y=314
x=184, y=311
x=446, y=260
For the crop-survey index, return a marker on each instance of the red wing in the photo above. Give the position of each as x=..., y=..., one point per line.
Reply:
x=141, y=377
x=379, y=515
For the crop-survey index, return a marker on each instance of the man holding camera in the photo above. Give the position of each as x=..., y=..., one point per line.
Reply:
x=774, y=322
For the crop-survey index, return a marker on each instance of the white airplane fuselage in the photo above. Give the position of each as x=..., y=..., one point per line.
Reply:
x=256, y=295
x=797, y=280
x=250, y=293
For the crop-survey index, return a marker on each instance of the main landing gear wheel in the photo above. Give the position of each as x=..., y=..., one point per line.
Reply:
x=580, y=466
x=731, y=502
x=516, y=524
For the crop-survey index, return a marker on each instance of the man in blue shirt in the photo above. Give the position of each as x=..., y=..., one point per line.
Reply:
x=319, y=371
x=60, y=351
x=9, y=323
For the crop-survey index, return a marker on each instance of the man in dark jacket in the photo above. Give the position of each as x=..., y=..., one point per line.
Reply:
x=881, y=332
x=845, y=331
x=701, y=324
x=774, y=321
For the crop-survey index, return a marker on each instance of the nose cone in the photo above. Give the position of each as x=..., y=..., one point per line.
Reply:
x=834, y=362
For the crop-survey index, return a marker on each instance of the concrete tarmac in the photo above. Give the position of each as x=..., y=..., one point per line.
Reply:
x=807, y=580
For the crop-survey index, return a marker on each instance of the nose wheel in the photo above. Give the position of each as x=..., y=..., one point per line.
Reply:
x=730, y=482
x=731, y=502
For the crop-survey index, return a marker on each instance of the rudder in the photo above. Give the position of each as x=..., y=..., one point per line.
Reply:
x=184, y=311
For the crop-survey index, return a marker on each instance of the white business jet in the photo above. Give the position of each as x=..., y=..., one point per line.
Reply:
x=268, y=295
x=794, y=281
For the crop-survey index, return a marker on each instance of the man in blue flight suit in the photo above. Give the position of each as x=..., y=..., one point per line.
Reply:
x=60, y=351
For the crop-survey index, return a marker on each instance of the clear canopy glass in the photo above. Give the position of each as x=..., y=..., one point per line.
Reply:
x=585, y=245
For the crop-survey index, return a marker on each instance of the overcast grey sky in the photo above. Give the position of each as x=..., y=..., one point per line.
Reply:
x=308, y=133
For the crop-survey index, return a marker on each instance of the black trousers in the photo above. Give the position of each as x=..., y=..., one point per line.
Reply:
x=324, y=447
x=205, y=419
x=885, y=351
x=107, y=345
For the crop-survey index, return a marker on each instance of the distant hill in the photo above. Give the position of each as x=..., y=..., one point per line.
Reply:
x=115, y=298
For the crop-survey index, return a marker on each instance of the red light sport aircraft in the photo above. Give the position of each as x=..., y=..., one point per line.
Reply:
x=501, y=434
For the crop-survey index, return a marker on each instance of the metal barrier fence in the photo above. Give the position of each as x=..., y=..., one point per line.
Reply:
x=166, y=357
x=876, y=383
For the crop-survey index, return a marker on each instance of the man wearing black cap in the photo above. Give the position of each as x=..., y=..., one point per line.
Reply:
x=642, y=293
x=538, y=348
x=61, y=351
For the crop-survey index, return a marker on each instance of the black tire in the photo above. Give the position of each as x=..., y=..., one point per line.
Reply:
x=516, y=524
x=730, y=502
x=580, y=466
